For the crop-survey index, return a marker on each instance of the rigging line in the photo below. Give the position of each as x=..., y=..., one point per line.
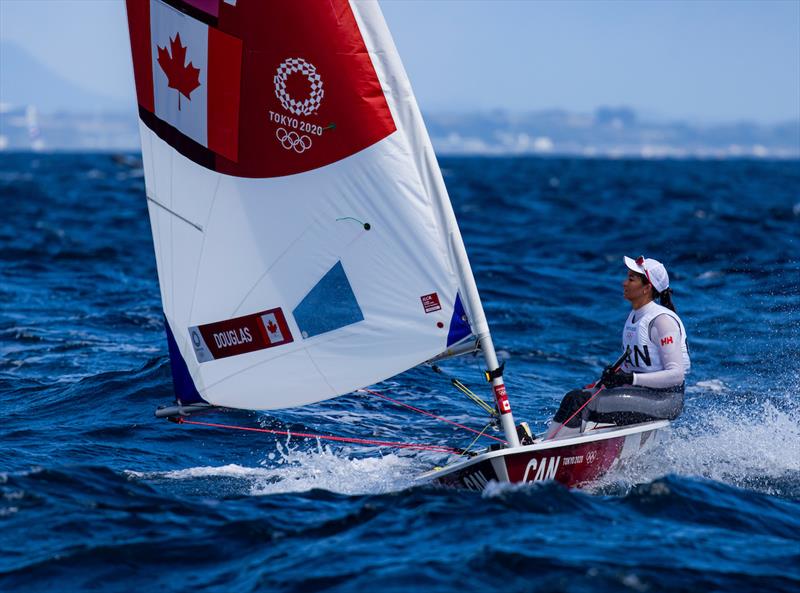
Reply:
x=474, y=398
x=421, y=446
x=399, y=403
x=615, y=367
x=485, y=428
x=586, y=403
x=366, y=225
x=171, y=211
x=458, y=384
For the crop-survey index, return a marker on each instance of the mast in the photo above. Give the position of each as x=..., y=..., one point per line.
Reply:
x=481, y=328
x=404, y=107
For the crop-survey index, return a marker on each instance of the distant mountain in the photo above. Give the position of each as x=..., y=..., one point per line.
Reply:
x=25, y=81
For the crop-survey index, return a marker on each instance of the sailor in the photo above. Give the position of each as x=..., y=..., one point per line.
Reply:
x=649, y=385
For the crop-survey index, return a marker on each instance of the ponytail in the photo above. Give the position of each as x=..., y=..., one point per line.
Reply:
x=665, y=298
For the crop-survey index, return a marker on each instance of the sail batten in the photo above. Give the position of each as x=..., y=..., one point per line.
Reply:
x=328, y=256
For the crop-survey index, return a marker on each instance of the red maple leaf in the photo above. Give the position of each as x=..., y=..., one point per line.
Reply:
x=271, y=327
x=182, y=78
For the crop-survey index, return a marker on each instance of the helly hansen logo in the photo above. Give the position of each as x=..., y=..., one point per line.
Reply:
x=667, y=340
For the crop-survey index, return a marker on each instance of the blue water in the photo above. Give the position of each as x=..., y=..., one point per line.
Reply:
x=99, y=495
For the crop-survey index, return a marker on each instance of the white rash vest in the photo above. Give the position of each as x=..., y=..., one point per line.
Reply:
x=655, y=340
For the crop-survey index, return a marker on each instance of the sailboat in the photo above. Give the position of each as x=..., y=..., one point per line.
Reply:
x=305, y=242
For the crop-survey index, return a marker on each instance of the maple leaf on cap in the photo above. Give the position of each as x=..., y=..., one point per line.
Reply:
x=184, y=78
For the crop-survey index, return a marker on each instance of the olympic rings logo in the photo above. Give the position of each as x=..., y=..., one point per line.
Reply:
x=299, y=65
x=292, y=140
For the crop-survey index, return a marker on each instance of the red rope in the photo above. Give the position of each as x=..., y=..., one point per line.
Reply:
x=437, y=448
x=576, y=411
x=399, y=403
x=616, y=366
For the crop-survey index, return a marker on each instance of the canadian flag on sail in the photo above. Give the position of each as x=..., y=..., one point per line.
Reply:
x=274, y=333
x=187, y=74
x=257, y=88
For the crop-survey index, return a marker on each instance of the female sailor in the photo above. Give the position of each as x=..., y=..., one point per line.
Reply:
x=649, y=384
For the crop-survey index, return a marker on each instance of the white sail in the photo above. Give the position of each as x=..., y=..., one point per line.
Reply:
x=304, y=240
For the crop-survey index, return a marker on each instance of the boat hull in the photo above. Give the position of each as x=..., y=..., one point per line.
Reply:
x=574, y=462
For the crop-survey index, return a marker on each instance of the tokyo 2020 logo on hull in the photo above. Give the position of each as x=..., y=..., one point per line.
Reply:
x=295, y=134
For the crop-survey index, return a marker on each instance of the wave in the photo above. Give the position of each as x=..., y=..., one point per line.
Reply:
x=290, y=468
x=757, y=448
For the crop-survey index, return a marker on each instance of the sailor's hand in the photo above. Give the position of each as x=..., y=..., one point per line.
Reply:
x=611, y=379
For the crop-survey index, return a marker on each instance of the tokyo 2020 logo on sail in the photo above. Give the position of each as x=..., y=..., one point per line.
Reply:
x=293, y=133
x=292, y=140
x=308, y=105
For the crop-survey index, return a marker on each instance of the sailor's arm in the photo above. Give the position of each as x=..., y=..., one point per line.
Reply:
x=666, y=334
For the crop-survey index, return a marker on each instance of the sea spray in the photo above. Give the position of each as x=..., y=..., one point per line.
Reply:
x=756, y=448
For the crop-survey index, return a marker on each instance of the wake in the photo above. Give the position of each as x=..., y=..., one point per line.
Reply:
x=757, y=447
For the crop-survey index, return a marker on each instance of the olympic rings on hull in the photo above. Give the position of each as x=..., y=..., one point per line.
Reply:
x=292, y=140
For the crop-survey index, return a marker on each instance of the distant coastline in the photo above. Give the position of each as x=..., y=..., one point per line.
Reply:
x=42, y=111
x=607, y=133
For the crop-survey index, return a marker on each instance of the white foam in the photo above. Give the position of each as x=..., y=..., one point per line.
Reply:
x=755, y=449
x=498, y=489
x=292, y=469
x=714, y=385
x=232, y=470
x=296, y=470
x=709, y=274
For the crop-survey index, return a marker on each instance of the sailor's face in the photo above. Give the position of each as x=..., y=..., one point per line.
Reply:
x=633, y=287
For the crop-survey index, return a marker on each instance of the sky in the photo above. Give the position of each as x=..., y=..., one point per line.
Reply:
x=702, y=61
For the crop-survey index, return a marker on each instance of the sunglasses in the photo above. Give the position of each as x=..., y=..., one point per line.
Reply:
x=640, y=262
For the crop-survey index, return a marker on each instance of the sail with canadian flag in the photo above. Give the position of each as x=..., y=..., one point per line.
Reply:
x=304, y=239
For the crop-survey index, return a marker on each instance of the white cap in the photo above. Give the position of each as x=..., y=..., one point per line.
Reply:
x=652, y=268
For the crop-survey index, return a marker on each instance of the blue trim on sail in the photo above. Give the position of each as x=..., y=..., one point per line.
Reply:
x=185, y=391
x=329, y=305
x=459, y=326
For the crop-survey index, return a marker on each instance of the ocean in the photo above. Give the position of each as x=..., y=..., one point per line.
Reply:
x=98, y=494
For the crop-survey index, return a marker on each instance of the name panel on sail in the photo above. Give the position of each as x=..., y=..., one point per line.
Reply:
x=256, y=89
x=240, y=335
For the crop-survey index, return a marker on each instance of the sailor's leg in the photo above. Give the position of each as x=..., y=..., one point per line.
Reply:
x=570, y=404
x=632, y=405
